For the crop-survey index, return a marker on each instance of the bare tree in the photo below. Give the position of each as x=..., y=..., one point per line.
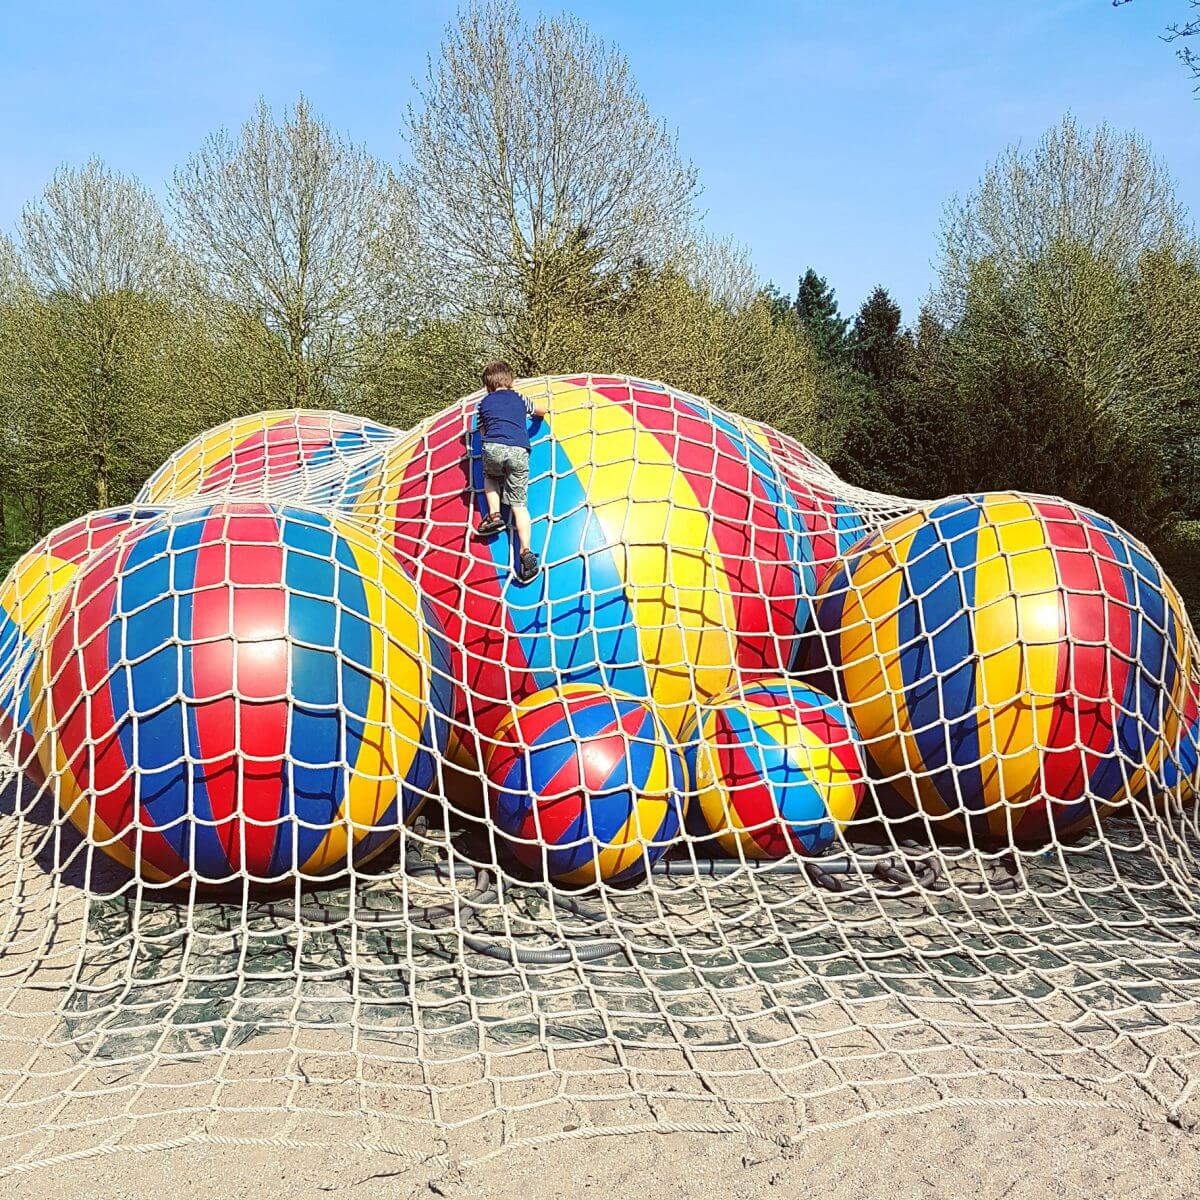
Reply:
x=1100, y=192
x=1069, y=293
x=531, y=144
x=1179, y=31
x=11, y=271
x=89, y=389
x=721, y=269
x=95, y=233
x=15, y=290
x=284, y=221
x=1187, y=29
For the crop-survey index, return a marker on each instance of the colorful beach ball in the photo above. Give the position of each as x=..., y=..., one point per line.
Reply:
x=1013, y=664
x=316, y=457
x=586, y=785
x=241, y=691
x=28, y=596
x=775, y=768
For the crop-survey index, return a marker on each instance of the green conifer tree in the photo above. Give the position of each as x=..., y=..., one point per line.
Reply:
x=817, y=308
x=878, y=344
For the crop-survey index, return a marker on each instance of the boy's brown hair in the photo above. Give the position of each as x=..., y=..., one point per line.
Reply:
x=497, y=375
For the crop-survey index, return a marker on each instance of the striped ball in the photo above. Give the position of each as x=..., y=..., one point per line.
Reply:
x=1014, y=664
x=317, y=457
x=774, y=768
x=28, y=596
x=677, y=550
x=241, y=690
x=585, y=785
x=1181, y=771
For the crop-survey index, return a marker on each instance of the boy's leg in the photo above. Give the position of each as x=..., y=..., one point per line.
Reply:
x=493, y=481
x=516, y=487
x=491, y=492
x=521, y=521
x=516, y=492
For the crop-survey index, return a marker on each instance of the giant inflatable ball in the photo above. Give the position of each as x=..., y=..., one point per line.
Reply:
x=1183, y=765
x=1016, y=665
x=241, y=690
x=291, y=455
x=29, y=596
x=681, y=546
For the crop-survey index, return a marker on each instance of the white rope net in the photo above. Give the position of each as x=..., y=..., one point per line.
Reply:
x=769, y=805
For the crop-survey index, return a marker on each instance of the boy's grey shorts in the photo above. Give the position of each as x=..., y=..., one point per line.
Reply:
x=509, y=466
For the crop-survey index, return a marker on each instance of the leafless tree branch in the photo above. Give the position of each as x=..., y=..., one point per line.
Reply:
x=1178, y=31
x=95, y=233
x=285, y=220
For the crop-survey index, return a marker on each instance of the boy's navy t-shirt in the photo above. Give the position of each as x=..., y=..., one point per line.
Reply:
x=502, y=418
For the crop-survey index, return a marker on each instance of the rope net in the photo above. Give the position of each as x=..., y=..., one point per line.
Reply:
x=770, y=804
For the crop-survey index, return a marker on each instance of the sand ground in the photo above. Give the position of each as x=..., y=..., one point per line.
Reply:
x=979, y=1153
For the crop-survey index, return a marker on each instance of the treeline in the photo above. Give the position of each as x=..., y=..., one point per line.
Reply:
x=542, y=213
x=1059, y=353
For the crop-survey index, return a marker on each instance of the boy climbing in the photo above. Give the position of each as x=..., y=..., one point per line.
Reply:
x=503, y=413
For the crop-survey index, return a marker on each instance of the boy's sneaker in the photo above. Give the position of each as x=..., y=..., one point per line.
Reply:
x=529, y=566
x=492, y=523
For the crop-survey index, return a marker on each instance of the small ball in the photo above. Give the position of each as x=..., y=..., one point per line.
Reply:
x=775, y=768
x=586, y=785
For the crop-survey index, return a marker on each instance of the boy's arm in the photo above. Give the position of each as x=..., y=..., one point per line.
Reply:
x=536, y=408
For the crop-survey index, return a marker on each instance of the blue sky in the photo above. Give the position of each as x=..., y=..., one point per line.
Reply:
x=829, y=133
